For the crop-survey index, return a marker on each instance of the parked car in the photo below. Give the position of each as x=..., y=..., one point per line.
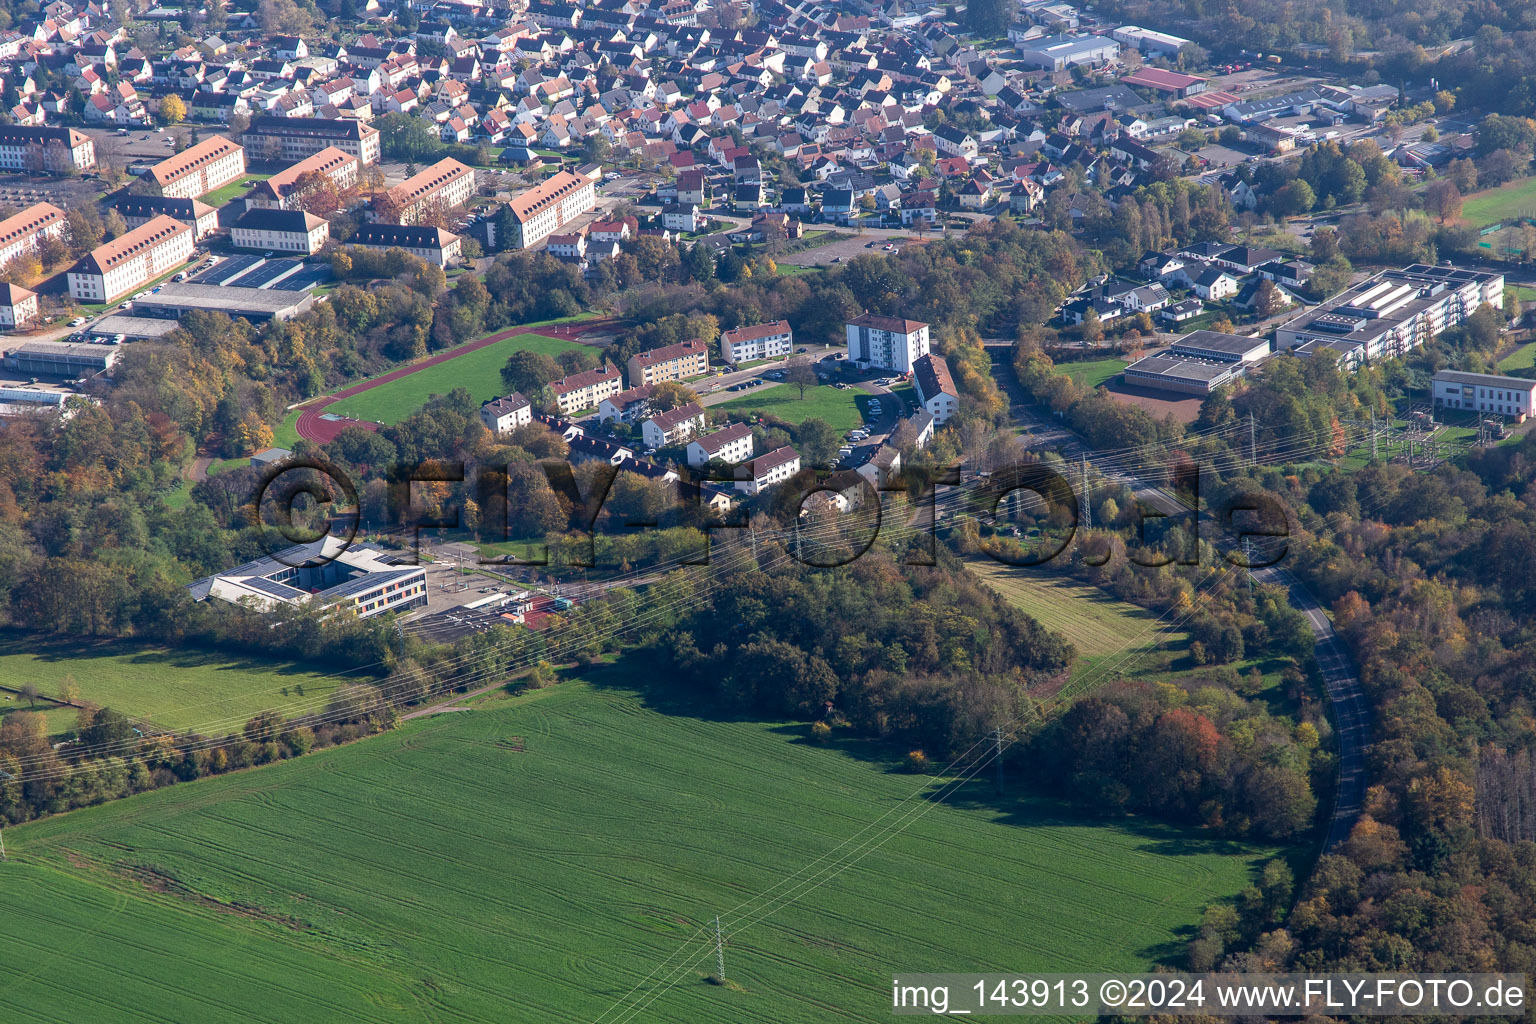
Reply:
x=77, y=321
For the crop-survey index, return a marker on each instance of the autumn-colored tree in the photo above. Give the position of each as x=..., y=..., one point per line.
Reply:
x=172, y=110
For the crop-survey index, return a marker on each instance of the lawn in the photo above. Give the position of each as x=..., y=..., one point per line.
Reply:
x=234, y=190
x=537, y=857
x=839, y=408
x=1522, y=358
x=1493, y=205
x=1092, y=372
x=1113, y=637
x=478, y=371
x=173, y=689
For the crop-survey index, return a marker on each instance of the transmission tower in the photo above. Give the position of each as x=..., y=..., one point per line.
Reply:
x=719, y=949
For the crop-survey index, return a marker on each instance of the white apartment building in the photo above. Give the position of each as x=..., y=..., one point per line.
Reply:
x=769, y=470
x=547, y=207
x=283, y=231
x=1390, y=314
x=759, y=341
x=673, y=426
x=23, y=232
x=434, y=245
x=130, y=261
x=586, y=389
x=198, y=170
x=1485, y=393
x=936, y=388
x=731, y=445
x=34, y=149
x=286, y=139
x=447, y=183
x=886, y=342
x=18, y=307
x=669, y=362
x=340, y=167
x=503, y=415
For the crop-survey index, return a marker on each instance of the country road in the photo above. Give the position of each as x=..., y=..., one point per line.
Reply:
x=1346, y=695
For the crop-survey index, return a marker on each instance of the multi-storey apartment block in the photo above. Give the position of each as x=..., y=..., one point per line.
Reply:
x=670, y=362
x=759, y=341
x=130, y=261
x=887, y=342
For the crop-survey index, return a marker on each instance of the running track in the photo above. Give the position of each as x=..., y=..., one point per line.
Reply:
x=312, y=428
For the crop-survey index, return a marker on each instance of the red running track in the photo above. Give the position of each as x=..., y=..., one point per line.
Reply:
x=311, y=427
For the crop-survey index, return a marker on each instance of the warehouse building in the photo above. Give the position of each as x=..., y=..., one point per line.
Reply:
x=1485, y=393
x=174, y=301
x=1216, y=347
x=1158, y=44
x=359, y=580
x=131, y=261
x=1391, y=313
x=1058, y=53
x=69, y=359
x=1181, y=375
x=287, y=139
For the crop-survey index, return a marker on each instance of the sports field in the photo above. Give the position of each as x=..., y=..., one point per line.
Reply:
x=536, y=858
x=479, y=371
x=1512, y=199
x=1092, y=372
x=1112, y=637
x=174, y=689
x=823, y=402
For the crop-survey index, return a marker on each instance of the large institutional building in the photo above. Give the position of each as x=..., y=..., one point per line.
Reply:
x=198, y=170
x=549, y=206
x=1198, y=363
x=1391, y=313
x=29, y=149
x=130, y=261
x=431, y=244
x=887, y=342
x=23, y=232
x=355, y=579
x=446, y=183
x=286, y=139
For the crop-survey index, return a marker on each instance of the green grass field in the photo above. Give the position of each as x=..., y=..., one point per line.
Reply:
x=234, y=190
x=535, y=858
x=1522, y=358
x=1493, y=205
x=1113, y=638
x=839, y=408
x=1092, y=372
x=174, y=689
x=478, y=371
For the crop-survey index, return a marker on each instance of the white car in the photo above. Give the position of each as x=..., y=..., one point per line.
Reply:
x=77, y=321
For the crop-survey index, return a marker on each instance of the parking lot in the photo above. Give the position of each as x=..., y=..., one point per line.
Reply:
x=843, y=249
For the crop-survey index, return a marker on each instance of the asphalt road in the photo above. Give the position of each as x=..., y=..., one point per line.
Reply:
x=1346, y=695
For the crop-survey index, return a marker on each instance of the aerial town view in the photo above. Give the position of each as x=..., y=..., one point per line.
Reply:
x=766, y=511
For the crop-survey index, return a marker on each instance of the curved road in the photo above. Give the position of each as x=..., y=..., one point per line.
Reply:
x=1341, y=682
